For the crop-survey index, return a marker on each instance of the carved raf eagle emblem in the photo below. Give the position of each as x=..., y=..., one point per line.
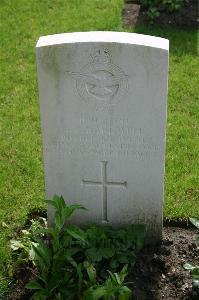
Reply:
x=100, y=80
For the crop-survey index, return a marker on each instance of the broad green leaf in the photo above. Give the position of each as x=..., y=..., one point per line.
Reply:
x=92, y=274
x=88, y=294
x=117, y=277
x=138, y=234
x=59, y=220
x=188, y=266
x=99, y=292
x=124, y=259
x=50, y=231
x=194, y=221
x=26, y=232
x=62, y=202
x=94, y=254
x=123, y=273
x=125, y=293
x=57, y=202
x=42, y=254
x=112, y=277
x=70, y=209
x=72, y=251
x=114, y=263
x=52, y=203
x=54, y=285
x=107, y=252
x=96, y=233
x=34, y=285
x=32, y=252
x=195, y=272
x=40, y=295
x=196, y=283
x=80, y=277
x=16, y=245
x=76, y=233
x=71, y=261
x=43, y=278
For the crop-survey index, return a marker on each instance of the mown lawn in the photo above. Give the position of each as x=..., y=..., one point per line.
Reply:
x=21, y=173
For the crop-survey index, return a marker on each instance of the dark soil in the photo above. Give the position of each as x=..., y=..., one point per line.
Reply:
x=22, y=277
x=187, y=16
x=158, y=273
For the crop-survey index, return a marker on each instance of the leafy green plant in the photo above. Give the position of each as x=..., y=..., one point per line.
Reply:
x=153, y=13
x=74, y=263
x=195, y=222
x=59, y=276
x=194, y=269
x=22, y=245
x=153, y=7
x=173, y=5
x=109, y=248
x=114, y=286
x=194, y=273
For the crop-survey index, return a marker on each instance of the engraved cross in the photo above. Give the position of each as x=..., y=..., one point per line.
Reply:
x=104, y=183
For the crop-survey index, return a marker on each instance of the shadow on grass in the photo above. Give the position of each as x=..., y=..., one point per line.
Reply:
x=183, y=38
x=181, y=41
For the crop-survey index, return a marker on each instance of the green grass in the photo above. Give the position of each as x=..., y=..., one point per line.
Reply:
x=182, y=160
x=21, y=175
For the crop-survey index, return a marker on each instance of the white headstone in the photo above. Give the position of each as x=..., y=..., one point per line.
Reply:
x=103, y=99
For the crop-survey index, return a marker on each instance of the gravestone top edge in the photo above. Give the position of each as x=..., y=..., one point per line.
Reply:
x=104, y=36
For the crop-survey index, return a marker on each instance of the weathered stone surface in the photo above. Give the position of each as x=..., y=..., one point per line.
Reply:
x=131, y=14
x=103, y=102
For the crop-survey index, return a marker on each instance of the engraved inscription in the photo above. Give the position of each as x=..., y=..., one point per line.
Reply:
x=100, y=80
x=104, y=183
x=95, y=137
